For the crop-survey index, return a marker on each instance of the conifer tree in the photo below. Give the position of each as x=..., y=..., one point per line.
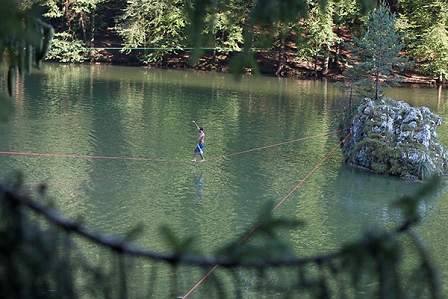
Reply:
x=425, y=24
x=376, y=52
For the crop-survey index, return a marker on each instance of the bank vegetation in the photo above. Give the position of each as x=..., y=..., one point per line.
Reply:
x=302, y=38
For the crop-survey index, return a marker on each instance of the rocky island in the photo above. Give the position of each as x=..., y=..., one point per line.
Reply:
x=391, y=137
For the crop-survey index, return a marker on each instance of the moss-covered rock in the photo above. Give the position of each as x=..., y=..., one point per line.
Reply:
x=393, y=138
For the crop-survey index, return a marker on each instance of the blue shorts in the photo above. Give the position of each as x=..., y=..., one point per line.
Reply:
x=199, y=148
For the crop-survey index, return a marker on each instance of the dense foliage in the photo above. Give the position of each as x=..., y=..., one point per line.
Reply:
x=425, y=26
x=40, y=257
x=24, y=41
x=251, y=30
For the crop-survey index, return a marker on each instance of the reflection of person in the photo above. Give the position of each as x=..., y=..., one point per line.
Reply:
x=200, y=147
x=198, y=184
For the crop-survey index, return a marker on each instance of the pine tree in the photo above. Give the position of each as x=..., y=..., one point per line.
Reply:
x=425, y=24
x=376, y=51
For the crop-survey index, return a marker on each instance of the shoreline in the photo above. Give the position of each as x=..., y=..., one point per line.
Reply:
x=267, y=67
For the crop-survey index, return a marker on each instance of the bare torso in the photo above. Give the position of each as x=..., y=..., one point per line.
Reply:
x=201, y=137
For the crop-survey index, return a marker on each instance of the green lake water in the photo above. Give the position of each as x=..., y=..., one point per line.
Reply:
x=105, y=114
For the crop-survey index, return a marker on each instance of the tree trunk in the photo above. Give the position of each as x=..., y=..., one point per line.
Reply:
x=281, y=57
x=377, y=78
x=92, y=37
x=351, y=93
x=325, y=64
x=338, y=49
x=377, y=86
x=83, y=27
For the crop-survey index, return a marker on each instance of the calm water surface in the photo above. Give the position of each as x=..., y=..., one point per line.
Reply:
x=126, y=112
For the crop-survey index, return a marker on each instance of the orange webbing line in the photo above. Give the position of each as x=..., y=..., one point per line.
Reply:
x=275, y=208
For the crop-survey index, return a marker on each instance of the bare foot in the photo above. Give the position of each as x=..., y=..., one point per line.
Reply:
x=194, y=160
x=203, y=160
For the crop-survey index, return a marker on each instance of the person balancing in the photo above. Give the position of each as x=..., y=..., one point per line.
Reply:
x=200, y=147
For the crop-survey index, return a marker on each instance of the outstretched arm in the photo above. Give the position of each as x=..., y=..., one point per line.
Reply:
x=197, y=127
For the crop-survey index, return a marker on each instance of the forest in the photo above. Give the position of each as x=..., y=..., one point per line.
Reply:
x=282, y=38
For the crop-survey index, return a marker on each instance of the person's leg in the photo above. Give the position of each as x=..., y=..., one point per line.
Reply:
x=194, y=157
x=201, y=151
